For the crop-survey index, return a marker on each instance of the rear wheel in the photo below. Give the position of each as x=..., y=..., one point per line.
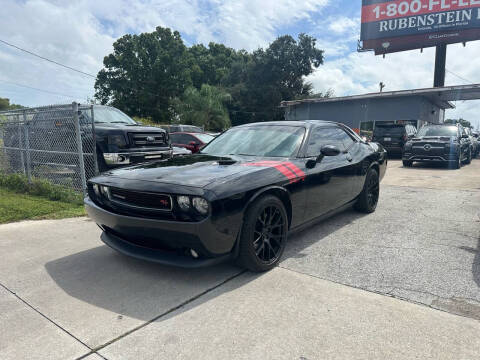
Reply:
x=263, y=235
x=368, y=199
x=407, y=163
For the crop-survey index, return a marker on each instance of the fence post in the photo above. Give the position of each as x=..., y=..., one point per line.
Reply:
x=20, y=142
x=27, y=146
x=94, y=141
x=79, y=147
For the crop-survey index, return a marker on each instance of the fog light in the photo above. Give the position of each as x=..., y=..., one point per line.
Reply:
x=194, y=253
x=183, y=202
x=201, y=205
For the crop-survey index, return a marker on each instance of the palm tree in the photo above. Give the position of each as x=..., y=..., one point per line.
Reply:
x=205, y=108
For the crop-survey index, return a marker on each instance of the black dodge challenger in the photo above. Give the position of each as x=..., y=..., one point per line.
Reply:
x=239, y=197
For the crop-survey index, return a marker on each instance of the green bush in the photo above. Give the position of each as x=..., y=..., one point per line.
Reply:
x=39, y=187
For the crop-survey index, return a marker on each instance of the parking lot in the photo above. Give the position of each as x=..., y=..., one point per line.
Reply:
x=403, y=282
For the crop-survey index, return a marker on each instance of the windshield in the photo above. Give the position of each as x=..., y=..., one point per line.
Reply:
x=112, y=116
x=437, y=131
x=389, y=130
x=267, y=140
x=205, y=138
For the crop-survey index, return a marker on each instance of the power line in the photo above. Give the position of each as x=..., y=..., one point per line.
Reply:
x=46, y=59
x=41, y=90
x=458, y=76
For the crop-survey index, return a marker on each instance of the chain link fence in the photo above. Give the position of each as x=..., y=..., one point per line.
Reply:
x=56, y=143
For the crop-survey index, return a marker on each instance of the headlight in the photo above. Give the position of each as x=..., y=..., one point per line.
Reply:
x=96, y=190
x=105, y=190
x=201, y=205
x=183, y=202
x=118, y=140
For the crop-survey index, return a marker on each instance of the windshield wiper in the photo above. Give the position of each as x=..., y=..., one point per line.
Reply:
x=119, y=122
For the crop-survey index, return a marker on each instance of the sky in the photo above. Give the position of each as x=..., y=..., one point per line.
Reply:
x=80, y=33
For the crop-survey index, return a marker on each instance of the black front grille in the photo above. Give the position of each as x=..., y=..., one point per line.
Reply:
x=148, y=139
x=151, y=201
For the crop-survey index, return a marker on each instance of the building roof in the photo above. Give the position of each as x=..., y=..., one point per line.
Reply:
x=441, y=97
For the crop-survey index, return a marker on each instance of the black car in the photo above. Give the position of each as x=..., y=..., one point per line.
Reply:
x=439, y=143
x=393, y=136
x=240, y=196
x=119, y=140
x=122, y=141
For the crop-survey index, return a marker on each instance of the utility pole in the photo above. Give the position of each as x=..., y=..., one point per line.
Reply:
x=440, y=63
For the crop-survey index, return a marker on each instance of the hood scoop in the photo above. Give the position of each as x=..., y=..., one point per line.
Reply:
x=226, y=161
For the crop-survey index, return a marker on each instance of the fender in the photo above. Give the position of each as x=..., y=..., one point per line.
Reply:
x=262, y=191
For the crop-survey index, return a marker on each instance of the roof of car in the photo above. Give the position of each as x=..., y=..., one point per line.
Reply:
x=307, y=123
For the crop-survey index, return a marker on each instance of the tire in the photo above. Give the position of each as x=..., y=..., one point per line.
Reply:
x=458, y=162
x=407, y=163
x=263, y=235
x=469, y=157
x=368, y=199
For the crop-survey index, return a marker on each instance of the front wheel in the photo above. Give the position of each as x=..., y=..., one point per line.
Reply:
x=469, y=157
x=368, y=199
x=407, y=163
x=263, y=235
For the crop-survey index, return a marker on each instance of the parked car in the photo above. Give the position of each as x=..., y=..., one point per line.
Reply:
x=441, y=143
x=393, y=136
x=119, y=140
x=240, y=196
x=182, y=128
x=179, y=151
x=191, y=141
x=474, y=143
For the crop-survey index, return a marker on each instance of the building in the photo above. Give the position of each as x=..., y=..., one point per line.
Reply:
x=362, y=112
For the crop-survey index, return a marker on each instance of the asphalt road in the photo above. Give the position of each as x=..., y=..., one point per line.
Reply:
x=351, y=287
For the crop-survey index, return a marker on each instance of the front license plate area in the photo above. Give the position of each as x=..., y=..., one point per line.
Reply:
x=387, y=139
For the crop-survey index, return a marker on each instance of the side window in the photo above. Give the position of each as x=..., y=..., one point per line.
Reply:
x=175, y=138
x=322, y=136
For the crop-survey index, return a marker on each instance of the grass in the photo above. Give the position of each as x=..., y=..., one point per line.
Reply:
x=37, y=199
x=16, y=207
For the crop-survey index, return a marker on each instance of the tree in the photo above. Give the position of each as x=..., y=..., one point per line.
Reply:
x=205, y=108
x=260, y=82
x=5, y=105
x=145, y=73
x=460, y=121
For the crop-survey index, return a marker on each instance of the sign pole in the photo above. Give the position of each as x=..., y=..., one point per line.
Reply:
x=440, y=63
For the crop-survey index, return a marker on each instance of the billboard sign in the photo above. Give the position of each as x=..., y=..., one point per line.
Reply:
x=397, y=25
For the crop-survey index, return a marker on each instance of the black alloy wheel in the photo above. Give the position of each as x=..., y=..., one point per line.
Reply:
x=368, y=199
x=263, y=235
x=407, y=163
x=268, y=234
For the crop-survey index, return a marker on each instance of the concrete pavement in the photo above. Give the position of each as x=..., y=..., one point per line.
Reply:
x=63, y=295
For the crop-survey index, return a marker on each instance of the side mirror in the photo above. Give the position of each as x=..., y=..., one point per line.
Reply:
x=193, y=143
x=330, y=150
x=464, y=136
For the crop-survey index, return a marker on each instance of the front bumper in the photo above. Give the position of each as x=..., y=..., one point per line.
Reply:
x=428, y=158
x=162, y=241
x=125, y=158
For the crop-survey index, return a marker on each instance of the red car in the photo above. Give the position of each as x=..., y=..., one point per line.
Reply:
x=191, y=141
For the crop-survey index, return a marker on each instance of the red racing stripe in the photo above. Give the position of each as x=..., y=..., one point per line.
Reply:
x=295, y=169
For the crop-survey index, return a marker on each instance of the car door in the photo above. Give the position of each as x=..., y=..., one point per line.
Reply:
x=328, y=183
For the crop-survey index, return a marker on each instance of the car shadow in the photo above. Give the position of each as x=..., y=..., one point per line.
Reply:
x=142, y=290
x=476, y=262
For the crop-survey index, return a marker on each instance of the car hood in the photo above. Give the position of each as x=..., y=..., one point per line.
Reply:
x=196, y=170
x=126, y=127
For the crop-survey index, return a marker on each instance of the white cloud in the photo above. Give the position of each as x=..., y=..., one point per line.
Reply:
x=343, y=24
x=81, y=33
